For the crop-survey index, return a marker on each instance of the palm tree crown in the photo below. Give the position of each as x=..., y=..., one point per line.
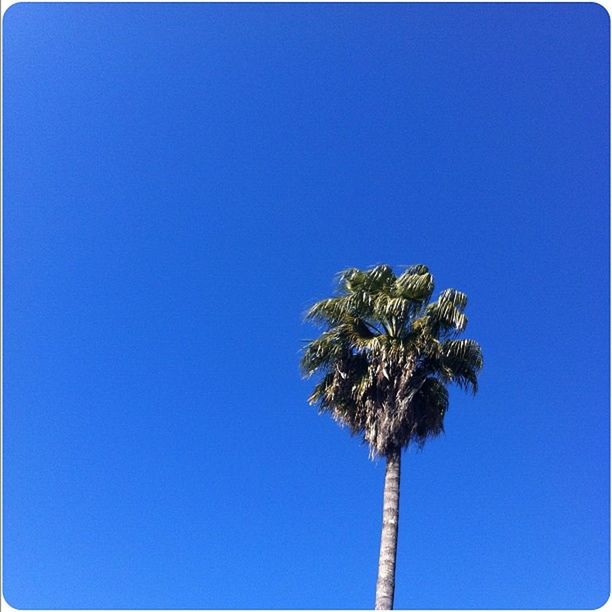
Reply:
x=386, y=355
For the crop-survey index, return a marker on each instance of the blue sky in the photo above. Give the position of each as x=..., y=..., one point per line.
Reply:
x=181, y=182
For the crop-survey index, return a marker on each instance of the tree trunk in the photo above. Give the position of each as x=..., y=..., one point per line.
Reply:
x=385, y=585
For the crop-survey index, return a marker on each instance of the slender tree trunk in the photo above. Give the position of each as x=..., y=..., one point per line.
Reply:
x=385, y=585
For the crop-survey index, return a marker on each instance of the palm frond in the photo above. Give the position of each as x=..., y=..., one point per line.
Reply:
x=446, y=315
x=330, y=311
x=378, y=278
x=460, y=361
x=415, y=284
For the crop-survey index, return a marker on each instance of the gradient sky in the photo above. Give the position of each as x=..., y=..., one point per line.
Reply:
x=181, y=182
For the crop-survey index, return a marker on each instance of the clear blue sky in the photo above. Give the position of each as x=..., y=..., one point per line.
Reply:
x=181, y=182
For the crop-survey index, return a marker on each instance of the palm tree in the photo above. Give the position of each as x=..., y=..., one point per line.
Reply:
x=385, y=356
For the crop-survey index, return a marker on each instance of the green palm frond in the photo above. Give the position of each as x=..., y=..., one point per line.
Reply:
x=461, y=360
x=446, y=315
x=376, y=279
x=415, y=284
x=323, y=352
x=329, y=312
